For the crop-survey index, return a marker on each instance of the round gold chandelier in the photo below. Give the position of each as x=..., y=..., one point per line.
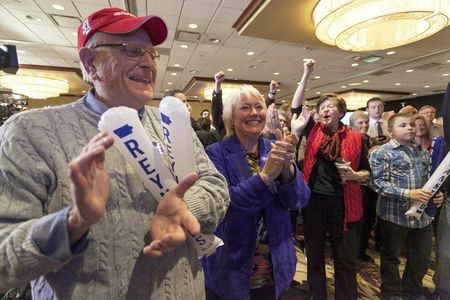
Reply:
x=365, y=25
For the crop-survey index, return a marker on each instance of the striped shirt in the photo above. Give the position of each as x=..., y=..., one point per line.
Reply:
x=396, y=169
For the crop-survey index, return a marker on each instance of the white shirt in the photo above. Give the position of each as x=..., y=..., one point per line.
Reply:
x=373, y=128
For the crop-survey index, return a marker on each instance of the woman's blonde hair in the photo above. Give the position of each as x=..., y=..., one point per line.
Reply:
x=245, y=91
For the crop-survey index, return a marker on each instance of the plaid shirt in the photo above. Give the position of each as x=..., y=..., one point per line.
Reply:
x=396, y=169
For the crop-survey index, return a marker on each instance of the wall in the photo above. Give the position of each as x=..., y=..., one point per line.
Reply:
x=433, y=100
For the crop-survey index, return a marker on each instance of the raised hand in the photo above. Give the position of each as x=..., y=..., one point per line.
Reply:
x=273, y=87
x=172, y=220
x=308, y=67
x=298, y=123
x=272, y=119
x=89, y=185
x=219, y=77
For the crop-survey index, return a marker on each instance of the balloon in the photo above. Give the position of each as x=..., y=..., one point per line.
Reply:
x=433, y=184
x=139, y=151
x=144, y=155
x=176, y=123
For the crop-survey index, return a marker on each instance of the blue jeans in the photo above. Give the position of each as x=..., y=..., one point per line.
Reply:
x=442, y=275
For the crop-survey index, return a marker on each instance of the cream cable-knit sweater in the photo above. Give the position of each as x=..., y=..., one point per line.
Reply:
x=35, y=149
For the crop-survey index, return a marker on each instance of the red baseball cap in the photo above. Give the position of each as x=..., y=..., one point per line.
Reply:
x=118, y=21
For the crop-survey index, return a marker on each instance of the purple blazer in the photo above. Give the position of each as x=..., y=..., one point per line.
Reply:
x=228, y=270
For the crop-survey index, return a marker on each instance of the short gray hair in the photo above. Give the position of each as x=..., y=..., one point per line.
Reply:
x=355, y=116
x=229, y=104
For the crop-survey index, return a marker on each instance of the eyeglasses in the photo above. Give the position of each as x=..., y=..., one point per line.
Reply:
x=329, y=106
x=133, y=50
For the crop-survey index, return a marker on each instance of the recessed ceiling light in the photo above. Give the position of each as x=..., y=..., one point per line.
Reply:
x=283, y=101
x=317, y=93
x=371, y=58
x=33, y=18
x=343, y=86
x=250, y=53
x=193, y=26
x=184, y=46
x=354, y=83
x=195, y=97
x=230, y=70
x=169, y=83
x=214, y=40
x=235, y=78
x=390, y=52
x=445, y=74
x=193, y=71
x=355, y=64
x=176, y=65
x=174, y=74
x=414, y=94
x=448, y=61
x=166, y=90
x=276, y=73
x=426, y=86
x=298, y=82
x=58, y=7
x=409, y=71
x=365, y=81
x=398, y=83
x=317, y=77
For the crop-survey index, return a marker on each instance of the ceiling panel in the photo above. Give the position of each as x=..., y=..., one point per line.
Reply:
x=50, y=34
x=164, y=7
x=69, y=8
x=118, y=3
x=87, y=8
x=198, y=10
x=22, y=14
x=239, y=4
x=29, y=5
x=226, y=15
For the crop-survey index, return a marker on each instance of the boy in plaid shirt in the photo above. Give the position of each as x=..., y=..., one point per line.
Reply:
x=399, y=171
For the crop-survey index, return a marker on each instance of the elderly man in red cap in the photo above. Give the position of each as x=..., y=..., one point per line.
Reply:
x=95, y=231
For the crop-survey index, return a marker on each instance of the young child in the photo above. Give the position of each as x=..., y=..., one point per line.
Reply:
x=399, y=171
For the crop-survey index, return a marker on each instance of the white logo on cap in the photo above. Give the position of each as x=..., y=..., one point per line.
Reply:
x=86, y=27
x=121, y=13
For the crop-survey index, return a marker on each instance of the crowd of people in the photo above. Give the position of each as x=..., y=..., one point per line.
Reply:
x=77, y=222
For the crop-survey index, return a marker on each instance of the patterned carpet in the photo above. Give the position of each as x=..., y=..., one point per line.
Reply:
x=368, y=277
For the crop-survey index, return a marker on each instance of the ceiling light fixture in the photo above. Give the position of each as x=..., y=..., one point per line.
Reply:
x=34, y=87
x=250, y=53
x=214, y=40
x=365, y=25
x=390, y=53
x=193, y=26
x=58, y=7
